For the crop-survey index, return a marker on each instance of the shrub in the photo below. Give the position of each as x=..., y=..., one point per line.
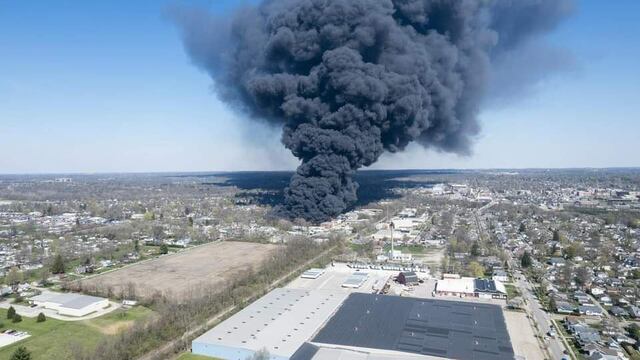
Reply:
x=16, y=318
x=11, y=312
x=41, y=318
x=21, y=353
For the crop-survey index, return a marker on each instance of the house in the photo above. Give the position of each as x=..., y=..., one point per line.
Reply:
x=408, y=278
x=618, y=311
x=596, y=291
x=605, y=354
x=590, y=310
x=634, y=311
x=500, y=275
x=564, y=307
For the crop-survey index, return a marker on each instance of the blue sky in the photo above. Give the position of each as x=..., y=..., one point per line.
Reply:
x=104, y=86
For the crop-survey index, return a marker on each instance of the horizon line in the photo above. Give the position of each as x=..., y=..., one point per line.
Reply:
x=79, y=173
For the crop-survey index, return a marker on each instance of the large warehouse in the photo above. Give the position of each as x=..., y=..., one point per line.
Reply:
x=382, y=325
x=326, y=325
x=70, y=304
x=279, y=322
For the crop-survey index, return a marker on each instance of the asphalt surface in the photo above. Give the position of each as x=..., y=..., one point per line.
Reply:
x=555, y=346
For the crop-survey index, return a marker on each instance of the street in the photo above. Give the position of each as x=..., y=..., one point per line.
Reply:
x=541, y=317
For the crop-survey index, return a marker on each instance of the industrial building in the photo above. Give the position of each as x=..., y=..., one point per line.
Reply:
x=70, y=304
x=408, y=278
x=402, y=327
x=471, y=287
x=279, y=322
x=302, y=324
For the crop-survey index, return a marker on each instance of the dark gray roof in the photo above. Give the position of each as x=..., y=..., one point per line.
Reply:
x=451, y=329
x=306, y=351
x=485, y=285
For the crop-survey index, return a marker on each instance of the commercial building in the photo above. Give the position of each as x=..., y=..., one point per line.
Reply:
x=70, y=304
x=279, y=322
x=470, y=287
x=312, y=273
x=393, y=327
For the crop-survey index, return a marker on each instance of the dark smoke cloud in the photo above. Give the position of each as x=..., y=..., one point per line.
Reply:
x=350, y=79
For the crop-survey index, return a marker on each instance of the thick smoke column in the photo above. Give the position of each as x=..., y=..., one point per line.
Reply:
x=350, y=79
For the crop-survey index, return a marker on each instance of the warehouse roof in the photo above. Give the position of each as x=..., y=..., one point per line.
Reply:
x=68, y=300
x=280, y=321
x=464, y=285
x=355, y=280
x=451, y=329
x=310, y=351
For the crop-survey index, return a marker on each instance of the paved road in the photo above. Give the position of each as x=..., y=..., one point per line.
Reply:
x=555, y=346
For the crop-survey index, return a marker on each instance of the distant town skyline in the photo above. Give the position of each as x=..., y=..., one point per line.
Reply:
x=107, y=87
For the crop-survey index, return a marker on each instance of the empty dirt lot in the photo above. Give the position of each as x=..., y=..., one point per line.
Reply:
x=522, y=336
x=176, y=275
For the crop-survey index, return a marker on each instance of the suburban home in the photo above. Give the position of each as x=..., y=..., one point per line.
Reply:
x=564, y=307
x=618, y=311
x=634, y=311
x=500, y=275
x=590, y=310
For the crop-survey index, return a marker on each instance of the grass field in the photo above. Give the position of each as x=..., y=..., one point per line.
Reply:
x=190, y=356
x=175, y=275
x=512, y=291
x=411, y=249
x=53, y=338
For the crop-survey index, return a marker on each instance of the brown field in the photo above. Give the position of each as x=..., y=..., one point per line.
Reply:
x=178, y=274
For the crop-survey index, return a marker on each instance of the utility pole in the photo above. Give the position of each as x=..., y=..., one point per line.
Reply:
x=391, y=226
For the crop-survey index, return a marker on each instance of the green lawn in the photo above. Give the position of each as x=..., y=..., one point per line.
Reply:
x=190, y=356
x=52, y=339
x=512, y=291
x=409, y=249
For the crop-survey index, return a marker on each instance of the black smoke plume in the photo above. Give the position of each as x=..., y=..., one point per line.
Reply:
x=350, y=79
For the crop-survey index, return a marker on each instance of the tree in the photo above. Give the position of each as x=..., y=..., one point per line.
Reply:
x=552, y=304
x=16, y=318
x=522, y=228
x=41, y=318
x=164, y=249
x=475, y=249
x=14, y=277
x=149, y=216
x=11, y=313
x=261, y=354
x=556, y=235
x=475, y=269
x=634, y=331
x=57, y=267
x=21, y=353
x=136, y=246
x=525, y=260
x=583, y=276
x=44, y=277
